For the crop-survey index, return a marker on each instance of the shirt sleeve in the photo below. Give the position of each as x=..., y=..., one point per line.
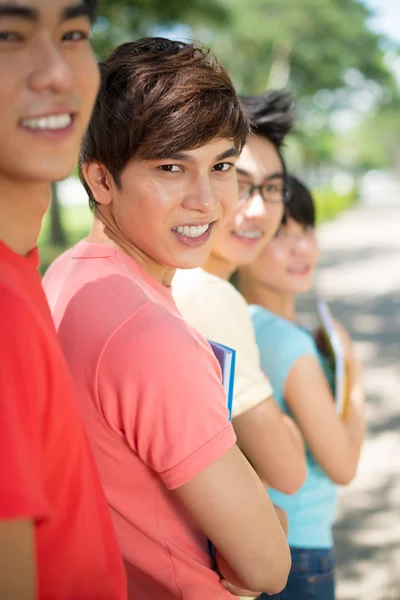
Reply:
x=171, y=402
x=280, y=345
x=22, y=389
x=220, y=313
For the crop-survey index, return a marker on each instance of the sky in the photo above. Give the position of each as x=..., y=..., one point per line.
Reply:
x=387, y=18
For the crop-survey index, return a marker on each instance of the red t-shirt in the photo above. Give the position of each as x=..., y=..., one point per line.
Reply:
x=47, y=473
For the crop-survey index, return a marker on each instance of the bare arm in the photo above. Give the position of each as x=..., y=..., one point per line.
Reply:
x=229, y=503
x=334, y=442
x=273, y=445
x=17, y=560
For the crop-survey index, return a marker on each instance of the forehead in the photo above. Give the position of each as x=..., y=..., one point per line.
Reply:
x=259, y=158
x=42, y=9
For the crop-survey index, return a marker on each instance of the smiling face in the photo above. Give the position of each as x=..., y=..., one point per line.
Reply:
x=286, y=265
x=168, y=210
x=255, y=220
x=49, y=83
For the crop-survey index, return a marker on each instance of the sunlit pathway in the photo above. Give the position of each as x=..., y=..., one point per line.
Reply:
x=360, y=277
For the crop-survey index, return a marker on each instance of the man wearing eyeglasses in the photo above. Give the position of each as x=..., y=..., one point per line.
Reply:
x=210, y=302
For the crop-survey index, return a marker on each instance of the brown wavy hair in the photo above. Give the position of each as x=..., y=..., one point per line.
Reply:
x=159, y=97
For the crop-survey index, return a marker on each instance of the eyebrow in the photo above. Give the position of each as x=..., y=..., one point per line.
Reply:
x=78, y=10
x=277, y=175
x=230, y=153
x=31, y=14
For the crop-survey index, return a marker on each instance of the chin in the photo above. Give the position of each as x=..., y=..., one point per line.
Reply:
x=47, y=172
x=190, y=262
x=302, y=289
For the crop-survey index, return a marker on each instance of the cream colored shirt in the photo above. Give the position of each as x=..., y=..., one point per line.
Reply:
x=216, y=309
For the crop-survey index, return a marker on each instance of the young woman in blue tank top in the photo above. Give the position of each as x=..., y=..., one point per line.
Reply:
x=303, y=387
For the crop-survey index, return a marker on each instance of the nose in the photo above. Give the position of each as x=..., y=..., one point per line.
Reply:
x=201, y=195
x=49, y=69
x=255, y=208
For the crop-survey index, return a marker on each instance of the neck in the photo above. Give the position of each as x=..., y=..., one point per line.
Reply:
x=280, y=303
x=105, y=231
x=216, y=265
x=22, y=208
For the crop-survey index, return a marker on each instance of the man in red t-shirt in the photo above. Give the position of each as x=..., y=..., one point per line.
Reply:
x=56, y=537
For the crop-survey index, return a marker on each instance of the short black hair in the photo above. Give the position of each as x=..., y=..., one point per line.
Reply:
x=93, y=6
x=300, y=206
x=271, y=115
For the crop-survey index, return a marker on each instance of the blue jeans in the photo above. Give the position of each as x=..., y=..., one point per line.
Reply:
x=311, y=576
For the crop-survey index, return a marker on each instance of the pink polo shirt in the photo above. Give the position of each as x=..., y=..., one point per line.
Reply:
x=155, y=411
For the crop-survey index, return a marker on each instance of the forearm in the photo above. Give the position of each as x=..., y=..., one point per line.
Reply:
x=17, y=560
x=273, y=445
x=283, y=520
x=354, y=417
x=295, y=435
x=230, y=505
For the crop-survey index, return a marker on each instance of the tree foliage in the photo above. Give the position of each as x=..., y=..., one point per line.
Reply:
x=307, y=44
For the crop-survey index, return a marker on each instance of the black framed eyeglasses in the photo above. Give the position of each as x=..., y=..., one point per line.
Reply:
x=275, y=191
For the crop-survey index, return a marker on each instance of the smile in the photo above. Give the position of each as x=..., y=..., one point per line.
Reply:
x=52, y=122
x=251, y=235
x=191, y=231
x=299, y=270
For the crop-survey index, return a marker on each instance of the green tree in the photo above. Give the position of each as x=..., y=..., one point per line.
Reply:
x=377, y=141
x=307, y=44
x=121, y=20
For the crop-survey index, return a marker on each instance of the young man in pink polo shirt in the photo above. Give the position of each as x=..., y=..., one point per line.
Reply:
x=56, y=536
x=158, y=162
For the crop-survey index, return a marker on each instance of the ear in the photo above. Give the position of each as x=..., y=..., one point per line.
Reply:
x=100, y=181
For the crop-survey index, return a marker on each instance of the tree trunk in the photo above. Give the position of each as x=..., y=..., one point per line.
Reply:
x=57, y=232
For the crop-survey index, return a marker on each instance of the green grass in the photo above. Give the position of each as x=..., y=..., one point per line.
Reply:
x=329, y=204
x=77, y=221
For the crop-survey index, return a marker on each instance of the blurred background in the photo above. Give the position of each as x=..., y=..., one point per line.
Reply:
x=341, y=60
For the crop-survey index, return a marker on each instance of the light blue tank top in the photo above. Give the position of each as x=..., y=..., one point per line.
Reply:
x=312, y=509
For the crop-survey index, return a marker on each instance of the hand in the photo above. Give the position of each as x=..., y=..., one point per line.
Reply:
x=235, y=591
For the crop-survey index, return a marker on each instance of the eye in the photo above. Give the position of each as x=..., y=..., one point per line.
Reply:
x=308, y=229
x=224, y=166
x=76, y=36
x=10, y=36
x=170, y=168
x=280, y=233
x=273, y=188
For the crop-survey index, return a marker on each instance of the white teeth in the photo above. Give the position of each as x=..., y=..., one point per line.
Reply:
x=191, y=231
x=51, y=122
x=248, y=234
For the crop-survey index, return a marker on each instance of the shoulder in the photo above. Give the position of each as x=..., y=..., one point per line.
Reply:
x=193, y=283
x=16, y=317
x=57, y=270
x=273, y=330
x=23, y=345
x=156, y=333
x=205, y=298
x=280, y=344
x=59, y=262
